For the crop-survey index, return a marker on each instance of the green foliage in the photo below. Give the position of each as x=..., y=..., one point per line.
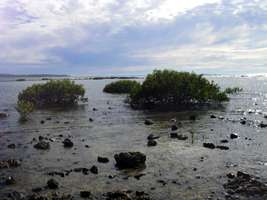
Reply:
x=167, y=87
x=121, y=87
x=233, y=90
x=24, y=108
x=52, y=93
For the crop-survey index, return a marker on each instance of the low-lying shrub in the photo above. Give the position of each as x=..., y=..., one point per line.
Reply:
x=52, y=93
x=172, y=88
x=121, y=87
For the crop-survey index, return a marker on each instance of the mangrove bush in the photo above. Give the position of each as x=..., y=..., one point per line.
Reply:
x=121, y=87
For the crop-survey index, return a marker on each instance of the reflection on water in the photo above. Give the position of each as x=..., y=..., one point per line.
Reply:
x=116, y=127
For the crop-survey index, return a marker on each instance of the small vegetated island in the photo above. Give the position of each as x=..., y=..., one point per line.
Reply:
x=168, y=88
x=121, y=87
x=54, y=93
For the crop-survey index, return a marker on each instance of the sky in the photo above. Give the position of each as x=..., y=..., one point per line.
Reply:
x=120, y=37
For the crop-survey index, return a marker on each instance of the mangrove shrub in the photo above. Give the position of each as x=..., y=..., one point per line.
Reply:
x=168, y=88
x=121, y=87
x=52, y=93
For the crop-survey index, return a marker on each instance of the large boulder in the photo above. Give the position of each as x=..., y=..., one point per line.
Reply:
x=130, y=160
x=42, y=145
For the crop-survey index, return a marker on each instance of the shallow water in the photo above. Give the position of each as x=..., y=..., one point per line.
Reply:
x=116, y=128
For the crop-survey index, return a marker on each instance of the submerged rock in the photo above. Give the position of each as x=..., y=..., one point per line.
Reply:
x=11, y=146
x=233, y=136
x=102, y=159
x=148, y=122
x=42, y=145
x=3, y=115
x=209, y=145
x=52, y=184
x=68, y=143
x=130, y=159
x=152, y=143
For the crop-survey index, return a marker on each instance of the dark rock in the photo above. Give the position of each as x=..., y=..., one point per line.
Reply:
x=174, y=128
x=262, y=125
x=42, y=145
x=230, y=175
x=152, y=143
x=48, y=118
x=82, y=169
x=130, y=160
x=16, y=196
x=10, y=180
x=173, y=135
x=182, y=137
x=222, y=147
x=94, y=169
x=224, y=141
x=3, y=115
x=148, y=122
x=37, y=189
x=61, y=174
x=85, y=194
x=102, y=159
x=138, y=176
x=233, y=136
x=94, y=109
x=213, y=116
x=209, y=145
x=192, y=117
x=66, y=122
x=87, y=146
x=42, y=122
x=243, y=121
x=117, y=195
x=152, y=137
x=68, y=143
x=11, y=146
x=52, y=184
x=9, y=163
x=41, y=138
x=91, y=120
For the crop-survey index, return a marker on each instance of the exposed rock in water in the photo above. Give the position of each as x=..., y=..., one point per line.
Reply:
x=85, y=194
x=91, y=120
x=213, y=116
x=246, y=187
x=174, y=128
x=209, y=145
x=102, y=159
x=222, y=147
x=233, y=136
x=10, y=180
x=182, y=137
x=224, y=141
x=262, y=125
x=3, y=115
x=130, y=160
x=173, y=135
x=94, y=169
x=42, y=145
x=52, y=184
x=152, y=143
x=68, y=143
x=9, y=163
x=148, y=122
x=243, y=121
x=11, y=146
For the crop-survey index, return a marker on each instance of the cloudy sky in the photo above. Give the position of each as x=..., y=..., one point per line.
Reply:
x=133, y=37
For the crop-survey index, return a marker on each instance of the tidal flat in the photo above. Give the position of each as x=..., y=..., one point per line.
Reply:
x=178, y=166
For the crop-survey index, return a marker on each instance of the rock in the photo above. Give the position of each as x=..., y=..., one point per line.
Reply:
x=52, y=184
x=233, y=136
x=243, y=121
x=16, y=195
x=91, y=120
x=222, y=147
x=3, y=115
x=94, y=169
x=151, y=143
x=11, y=146
x=148, y=122
x=152, y=137
x=48, y=118
x=94, y=109
x=68, y=143
x=174, y=128
x=224, y=141
x=130, y=159
x=138, y=176
x=37, y=189
x=85, y=194
x=42, y=145
x=10, y=181
x=117, y=195
x=42, y=122
x=102, y=159
x=192, y=117
x=209, y=145
x=213, y=116
x=9, y=163
x=230, y=175
x=41, y=138
x=182, y=137
x=262, y=125
x=173, y=135
x=221, y=117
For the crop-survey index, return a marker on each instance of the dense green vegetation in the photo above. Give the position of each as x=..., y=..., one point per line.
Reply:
x=121, y=87
x=168, y=88
x=52, y=93
x=24, y=108
x=233, y=90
